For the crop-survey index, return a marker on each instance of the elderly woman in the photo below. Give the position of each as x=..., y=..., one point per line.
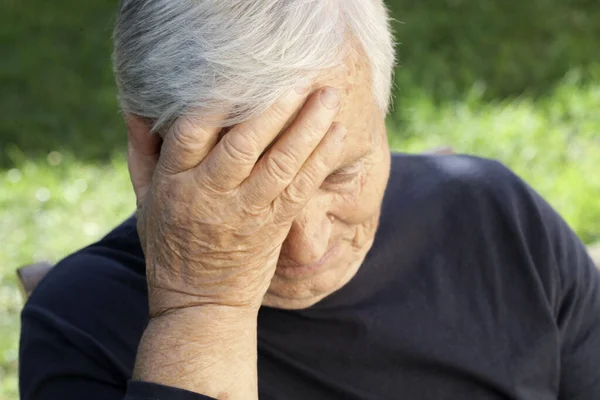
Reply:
x=281, y=252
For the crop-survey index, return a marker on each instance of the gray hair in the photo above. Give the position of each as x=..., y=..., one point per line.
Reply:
x=235, y=58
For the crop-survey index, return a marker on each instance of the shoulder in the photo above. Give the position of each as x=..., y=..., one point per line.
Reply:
x=452, y=173
x=92, y=303
x=459, y=186
x=483, y=207
x=481, y=189
x=466, y=202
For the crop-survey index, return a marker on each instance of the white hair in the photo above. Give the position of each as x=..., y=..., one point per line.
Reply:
x=235, y=58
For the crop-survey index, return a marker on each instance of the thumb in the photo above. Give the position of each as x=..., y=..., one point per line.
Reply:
x=143, y=151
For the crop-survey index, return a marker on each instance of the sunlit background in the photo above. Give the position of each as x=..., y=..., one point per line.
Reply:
x=514, y=80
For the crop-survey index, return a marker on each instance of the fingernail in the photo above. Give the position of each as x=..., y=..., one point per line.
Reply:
x=329, y=98
x=302, y=86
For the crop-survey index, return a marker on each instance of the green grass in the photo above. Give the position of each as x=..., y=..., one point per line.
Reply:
x=47, y=210
x=512, y=80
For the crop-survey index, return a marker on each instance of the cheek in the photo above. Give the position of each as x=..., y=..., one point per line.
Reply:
x=361, y=203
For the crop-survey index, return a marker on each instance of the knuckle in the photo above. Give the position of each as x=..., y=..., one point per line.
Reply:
x=281, y=164
x=279, y=111
x=298, y=192
x=291, y=196
x=256, y=211
x=181, y=145
x=318, y=164
x=181, y=132
x=239, y=147
x=308, y=177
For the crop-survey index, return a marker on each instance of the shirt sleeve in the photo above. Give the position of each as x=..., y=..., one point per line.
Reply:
x=576, y=298
x=567, y=275
x=578, y=316
x=77, y=340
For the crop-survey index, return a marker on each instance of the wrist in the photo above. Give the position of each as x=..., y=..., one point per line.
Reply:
x=175, y=301
x=209, y=316
x=207, y=349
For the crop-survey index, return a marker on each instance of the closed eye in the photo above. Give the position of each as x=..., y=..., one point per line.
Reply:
x=343, y=176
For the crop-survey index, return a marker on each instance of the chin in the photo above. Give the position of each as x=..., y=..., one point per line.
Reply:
x=297, y=294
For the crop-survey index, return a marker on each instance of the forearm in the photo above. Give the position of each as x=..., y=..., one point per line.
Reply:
x=208, y=350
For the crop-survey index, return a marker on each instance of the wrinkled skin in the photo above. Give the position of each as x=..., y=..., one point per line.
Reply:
x=222, y=223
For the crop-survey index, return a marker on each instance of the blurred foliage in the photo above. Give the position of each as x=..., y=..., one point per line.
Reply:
x=57, y=87
x=514, y=80
x=507, y=48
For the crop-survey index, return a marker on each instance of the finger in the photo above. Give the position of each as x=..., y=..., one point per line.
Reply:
x=186, y=144
x=274, y=172
x=235, y=155
x=143, y=150
x=312, y=174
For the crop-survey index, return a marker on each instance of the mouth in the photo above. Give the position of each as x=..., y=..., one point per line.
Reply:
x=299, y=271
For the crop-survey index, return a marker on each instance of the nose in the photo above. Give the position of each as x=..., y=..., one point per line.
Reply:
x=309, y=236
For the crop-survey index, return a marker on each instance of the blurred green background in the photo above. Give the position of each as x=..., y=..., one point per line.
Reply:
x=514, y=80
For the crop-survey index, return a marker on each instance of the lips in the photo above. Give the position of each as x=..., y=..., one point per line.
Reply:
x=293, y=270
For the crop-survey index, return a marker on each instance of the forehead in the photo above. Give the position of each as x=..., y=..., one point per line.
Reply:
x=359, y=111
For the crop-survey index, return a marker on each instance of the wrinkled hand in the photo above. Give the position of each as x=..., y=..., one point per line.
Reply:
x=213, y=214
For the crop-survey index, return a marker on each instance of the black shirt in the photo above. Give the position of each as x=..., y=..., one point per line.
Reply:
x=474, y=289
